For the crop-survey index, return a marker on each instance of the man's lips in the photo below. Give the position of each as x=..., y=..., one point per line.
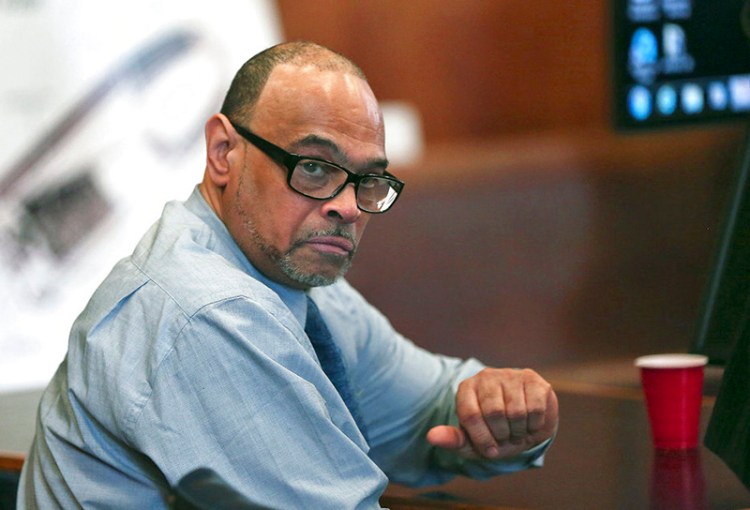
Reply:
x=331, y=244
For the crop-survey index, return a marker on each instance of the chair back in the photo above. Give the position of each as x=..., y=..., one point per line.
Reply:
x=11, y=464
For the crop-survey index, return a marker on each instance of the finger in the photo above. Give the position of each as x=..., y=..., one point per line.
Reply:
x=445, y=436
x=535, y=422
x=503, y=403
x=499, y=426
x=537, y=402
x=551, y=414
x=472, y=420
x=516, y=410
x=490, y=396
x=451, y=438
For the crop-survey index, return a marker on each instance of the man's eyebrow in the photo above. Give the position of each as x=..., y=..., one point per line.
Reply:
x=318, y=141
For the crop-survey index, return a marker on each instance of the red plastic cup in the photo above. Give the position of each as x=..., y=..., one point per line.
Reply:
x=673, y=387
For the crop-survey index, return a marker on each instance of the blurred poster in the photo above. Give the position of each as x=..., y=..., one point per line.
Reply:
x=102, y=107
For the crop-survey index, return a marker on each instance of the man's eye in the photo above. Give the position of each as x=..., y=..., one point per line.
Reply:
x=368, y=183
x=374, y=182
x=314, y=168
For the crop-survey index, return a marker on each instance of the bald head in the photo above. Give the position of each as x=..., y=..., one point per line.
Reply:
x=249, y=81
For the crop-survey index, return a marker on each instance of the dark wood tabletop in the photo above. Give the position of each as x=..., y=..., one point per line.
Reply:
x=602, y=458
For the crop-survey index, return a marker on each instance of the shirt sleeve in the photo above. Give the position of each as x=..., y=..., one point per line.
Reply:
x=404, y=391
x=242, y=394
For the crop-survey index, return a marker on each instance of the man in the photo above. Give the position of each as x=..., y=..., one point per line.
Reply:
x=202, y=349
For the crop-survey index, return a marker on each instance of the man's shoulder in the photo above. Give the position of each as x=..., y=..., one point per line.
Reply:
x=145, y=306
x=197, y=276
x=191, y=262
x=176, y=273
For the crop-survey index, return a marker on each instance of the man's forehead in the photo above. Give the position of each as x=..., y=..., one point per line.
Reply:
x=309, y=67
x=298, y=95
x=296, y=80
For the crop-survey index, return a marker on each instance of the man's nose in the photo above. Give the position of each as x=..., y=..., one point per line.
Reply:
x=344, y=205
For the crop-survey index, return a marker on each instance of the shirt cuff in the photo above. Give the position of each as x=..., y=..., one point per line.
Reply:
x=482, y=469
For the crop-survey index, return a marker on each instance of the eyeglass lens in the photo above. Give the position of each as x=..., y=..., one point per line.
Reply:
x=316, y=179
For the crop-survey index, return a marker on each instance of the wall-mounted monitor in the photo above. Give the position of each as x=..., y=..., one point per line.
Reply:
x=678, y=62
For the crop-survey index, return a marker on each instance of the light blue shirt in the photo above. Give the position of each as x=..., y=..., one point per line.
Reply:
x=186, y=357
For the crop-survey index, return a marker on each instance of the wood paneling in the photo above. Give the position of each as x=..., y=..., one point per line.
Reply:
x=540, y=251
x=478, y=68
x=535, y=232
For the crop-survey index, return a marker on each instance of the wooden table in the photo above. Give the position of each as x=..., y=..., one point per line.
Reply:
x=602, y=459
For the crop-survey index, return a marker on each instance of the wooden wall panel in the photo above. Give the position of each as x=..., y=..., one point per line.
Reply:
x=478, y=68
x=521, y=173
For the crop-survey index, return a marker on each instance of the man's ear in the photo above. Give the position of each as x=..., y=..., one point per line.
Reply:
x=221, y=145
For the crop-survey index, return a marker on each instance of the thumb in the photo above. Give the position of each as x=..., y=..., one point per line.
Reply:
x=450, y=438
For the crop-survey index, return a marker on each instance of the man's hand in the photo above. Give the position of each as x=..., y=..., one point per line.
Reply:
x=502, y=412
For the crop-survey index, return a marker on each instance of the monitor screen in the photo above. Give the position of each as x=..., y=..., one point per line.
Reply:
x=678, y=62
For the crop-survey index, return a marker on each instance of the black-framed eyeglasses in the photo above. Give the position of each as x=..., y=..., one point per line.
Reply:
x=322, y=180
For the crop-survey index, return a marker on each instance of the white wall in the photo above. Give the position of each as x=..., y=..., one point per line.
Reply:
x=138, y=141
